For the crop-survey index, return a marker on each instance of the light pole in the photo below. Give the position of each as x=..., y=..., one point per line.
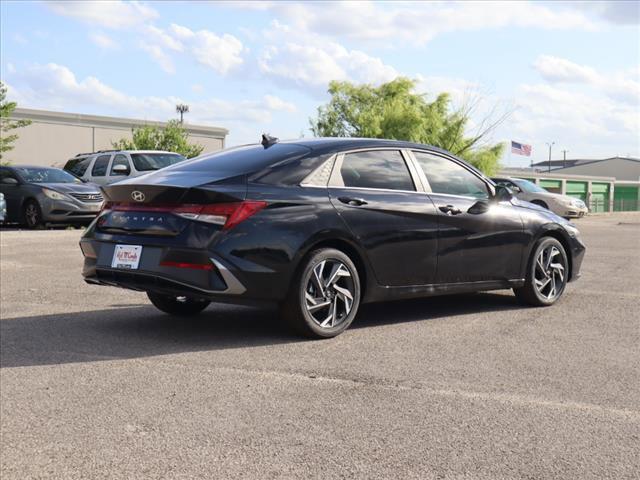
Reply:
x=181, y=108
x=549, y=164
x=564, y=158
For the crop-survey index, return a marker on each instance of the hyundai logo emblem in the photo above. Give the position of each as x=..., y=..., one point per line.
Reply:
x=137, y=196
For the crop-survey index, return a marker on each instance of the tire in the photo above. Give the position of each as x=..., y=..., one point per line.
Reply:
x=32, y=214
x=324, y=296
x=547, y=274
x=540, y=203
x=177, y=305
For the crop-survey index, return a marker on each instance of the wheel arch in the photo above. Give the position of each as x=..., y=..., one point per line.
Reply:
x=351, y=250
x=557, y=232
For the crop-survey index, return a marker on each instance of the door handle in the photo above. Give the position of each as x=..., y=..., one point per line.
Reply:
x=354, y=202
x=449, y=209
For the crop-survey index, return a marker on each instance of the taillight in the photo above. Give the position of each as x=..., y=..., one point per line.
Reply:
x=226, y=214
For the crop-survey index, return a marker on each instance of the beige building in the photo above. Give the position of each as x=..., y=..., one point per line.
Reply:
x=54, y=137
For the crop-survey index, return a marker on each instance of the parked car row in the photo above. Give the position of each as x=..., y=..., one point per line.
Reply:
x=34, y=195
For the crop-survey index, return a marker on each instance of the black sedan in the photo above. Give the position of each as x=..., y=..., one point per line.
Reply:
x=322, y=225
x=37, y=195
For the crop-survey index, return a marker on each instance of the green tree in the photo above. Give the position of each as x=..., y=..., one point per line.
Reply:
x=172, y=138
x=6, y=125
x=393, y=110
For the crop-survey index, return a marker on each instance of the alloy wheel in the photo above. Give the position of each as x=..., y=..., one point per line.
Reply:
x=32, y=215
x=550, y=273
x=329, y=293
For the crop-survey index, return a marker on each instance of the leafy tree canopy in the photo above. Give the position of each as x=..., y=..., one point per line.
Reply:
x=394, y=111
x=6, y=125
x=172, y=138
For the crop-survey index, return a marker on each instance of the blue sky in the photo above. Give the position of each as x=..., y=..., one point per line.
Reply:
x=567, y=72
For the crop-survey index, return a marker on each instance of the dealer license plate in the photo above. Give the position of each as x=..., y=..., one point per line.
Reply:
x=126, y=256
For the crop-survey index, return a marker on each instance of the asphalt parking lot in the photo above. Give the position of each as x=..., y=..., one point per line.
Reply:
x=95, y=383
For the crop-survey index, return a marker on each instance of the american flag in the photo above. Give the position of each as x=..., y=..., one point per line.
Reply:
x=520, y=149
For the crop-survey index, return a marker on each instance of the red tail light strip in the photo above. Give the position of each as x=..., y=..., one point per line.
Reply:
x=232, y=213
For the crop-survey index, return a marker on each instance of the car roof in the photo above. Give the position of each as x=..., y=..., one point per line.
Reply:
x=335, y=144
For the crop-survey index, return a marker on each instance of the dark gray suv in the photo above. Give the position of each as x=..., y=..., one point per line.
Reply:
x=38, y=195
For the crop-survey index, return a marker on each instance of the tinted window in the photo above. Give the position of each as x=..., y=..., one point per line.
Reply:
x=146, y=162
x=376, y=169
x=120, y=159
x=446, y=176
x=46, y=175
x=100, y=167
x=241, y=160
x=77, y=166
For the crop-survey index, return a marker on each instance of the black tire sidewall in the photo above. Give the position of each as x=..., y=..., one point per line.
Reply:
x=310, y=327
x=24, y=214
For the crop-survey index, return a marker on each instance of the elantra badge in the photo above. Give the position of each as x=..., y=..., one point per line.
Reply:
x=137, y=196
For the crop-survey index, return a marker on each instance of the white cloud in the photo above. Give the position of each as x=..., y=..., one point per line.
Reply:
x=620, y=86
x=587, y=125
x=311, y=61
x=56, y=87
x=159, y=55
x=221, y=53
x=103, y=41
x=419, y=22
x=106, y=13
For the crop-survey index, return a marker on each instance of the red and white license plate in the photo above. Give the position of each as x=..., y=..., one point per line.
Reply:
x=126, y=256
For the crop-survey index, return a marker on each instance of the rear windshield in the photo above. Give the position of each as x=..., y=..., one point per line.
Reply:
x=145, y=162
x=46, y=175
x=241, y=160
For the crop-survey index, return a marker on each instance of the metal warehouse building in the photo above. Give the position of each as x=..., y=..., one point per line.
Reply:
x=610, y=184
x=54, y=137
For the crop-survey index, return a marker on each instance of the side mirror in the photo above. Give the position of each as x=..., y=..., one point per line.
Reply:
x=9, y=181
x=120, y=170
x=503, y=194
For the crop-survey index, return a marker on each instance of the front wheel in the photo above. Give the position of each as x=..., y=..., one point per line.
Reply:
x=325, y=295
x=32, y=214
x=547, y=274
x=177, y=305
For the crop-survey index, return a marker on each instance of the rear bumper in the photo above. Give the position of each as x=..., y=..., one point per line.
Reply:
x=221, y=281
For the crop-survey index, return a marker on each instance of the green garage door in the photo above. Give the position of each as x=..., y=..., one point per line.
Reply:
x=554, y=186
x=577, y=190
x=599, y=197
x=625, y=198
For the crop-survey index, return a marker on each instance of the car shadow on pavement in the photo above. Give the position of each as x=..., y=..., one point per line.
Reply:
x=142, y=331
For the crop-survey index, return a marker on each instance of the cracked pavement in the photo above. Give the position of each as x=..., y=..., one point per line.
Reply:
x=95, y=383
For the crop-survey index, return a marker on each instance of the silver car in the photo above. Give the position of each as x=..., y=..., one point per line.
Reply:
x=109, y=166
x=37, y=195
x=562, y=205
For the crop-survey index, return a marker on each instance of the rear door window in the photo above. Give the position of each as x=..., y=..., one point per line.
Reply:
x=100, y=167
x=379, y=169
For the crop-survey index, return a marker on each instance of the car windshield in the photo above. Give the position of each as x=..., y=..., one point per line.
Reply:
x=46, y=175
x=529, y=187
x=145, y=162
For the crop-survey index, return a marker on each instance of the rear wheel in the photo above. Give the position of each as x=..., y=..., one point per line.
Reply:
x=547, y=274
x=32, y=214
x=325, y=295
x=177, y=305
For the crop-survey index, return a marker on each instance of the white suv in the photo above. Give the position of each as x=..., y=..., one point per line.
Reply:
x=108, y=166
